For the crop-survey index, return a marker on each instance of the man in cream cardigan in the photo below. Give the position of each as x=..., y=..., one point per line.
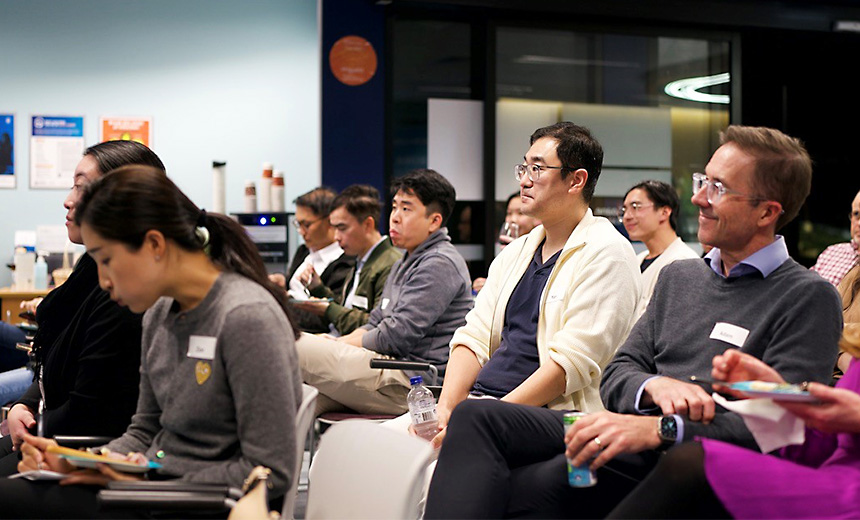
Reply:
x=558, y=301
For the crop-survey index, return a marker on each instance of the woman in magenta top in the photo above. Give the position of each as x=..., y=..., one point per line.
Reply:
x=712, y=479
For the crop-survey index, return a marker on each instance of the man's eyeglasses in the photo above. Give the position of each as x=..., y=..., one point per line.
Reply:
x=532, y=170
x=633, y=209
x=305, y=224
x=716, y=190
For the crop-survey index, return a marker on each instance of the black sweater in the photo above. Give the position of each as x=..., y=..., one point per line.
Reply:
x=89, y=351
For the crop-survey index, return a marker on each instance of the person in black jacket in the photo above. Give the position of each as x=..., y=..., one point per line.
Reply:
x=319, y=254
x=87, y=348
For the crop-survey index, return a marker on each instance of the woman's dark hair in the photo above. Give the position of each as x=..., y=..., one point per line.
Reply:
x=662, y=195
x=511, y=197
x=133, y=200
x=110, y=155
x=318, y=200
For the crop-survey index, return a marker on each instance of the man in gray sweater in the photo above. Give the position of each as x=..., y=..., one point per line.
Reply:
x=425, y=299
x=747, y=294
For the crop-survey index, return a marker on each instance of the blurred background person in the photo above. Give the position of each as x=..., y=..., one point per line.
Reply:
x=834, y=262
x=355, y=220
x=650, y=215
x=516, y=224
x=320, y=255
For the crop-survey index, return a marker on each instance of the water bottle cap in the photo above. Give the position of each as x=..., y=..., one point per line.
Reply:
x=417, y=380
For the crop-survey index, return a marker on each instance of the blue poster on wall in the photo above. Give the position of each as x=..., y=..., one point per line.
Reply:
x=7, y=151
x=51, y=126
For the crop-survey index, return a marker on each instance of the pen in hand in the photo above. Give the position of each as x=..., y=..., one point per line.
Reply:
x=40, y=420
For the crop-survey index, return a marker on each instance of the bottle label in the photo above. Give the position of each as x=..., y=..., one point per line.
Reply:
x=424, y=416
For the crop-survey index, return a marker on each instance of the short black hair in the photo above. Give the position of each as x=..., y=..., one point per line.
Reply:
x=577, y=148
x=318, y=200
x=361, y=201
x=662, y=195
x=431, y=188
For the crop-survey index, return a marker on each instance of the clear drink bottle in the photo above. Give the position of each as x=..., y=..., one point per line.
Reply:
x=422, y=409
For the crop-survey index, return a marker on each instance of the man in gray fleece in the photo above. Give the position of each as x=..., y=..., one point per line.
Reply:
x=425, y=299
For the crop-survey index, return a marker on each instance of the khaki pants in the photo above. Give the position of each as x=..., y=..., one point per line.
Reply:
x=343, y=376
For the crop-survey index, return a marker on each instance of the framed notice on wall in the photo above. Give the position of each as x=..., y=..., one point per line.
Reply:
x=7, y=151
x=56, y=145
x=126, y=129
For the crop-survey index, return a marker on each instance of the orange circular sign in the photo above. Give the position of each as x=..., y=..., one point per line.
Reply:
x=352, y=60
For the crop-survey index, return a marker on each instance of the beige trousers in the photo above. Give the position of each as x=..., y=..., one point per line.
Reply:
x=343, y=376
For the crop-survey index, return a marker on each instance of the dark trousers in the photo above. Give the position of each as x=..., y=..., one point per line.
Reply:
x=677, y=488
x=8, y=459
x=501, y=460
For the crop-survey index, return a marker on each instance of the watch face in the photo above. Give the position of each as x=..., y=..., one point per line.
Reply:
x=668, y=428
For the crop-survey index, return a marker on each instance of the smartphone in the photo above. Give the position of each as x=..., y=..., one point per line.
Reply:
x=28, y=315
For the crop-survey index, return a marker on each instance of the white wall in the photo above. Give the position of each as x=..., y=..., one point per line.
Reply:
x=223, y=79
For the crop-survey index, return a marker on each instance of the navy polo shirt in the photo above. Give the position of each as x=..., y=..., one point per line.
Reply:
x=517, y=356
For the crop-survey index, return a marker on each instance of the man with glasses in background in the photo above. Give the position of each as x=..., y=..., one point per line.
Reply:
x=320, y=254
x=650, y=215
x=747, y=294
x=355, y=219
x=835, y=261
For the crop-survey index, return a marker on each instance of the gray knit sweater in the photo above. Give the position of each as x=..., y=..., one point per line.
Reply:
x=425, y=299
x=793, y=316
x=217, y=415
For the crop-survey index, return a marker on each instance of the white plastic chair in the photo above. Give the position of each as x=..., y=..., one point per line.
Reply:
x=363, y=470
x=304, y=418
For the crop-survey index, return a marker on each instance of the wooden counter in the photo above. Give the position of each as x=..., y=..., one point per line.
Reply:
x=10, y=301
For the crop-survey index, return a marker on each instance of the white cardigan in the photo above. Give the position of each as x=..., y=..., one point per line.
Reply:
x=586, y=309
x=677, y=250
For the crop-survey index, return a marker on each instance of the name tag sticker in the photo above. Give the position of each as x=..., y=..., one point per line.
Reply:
x=361, y=301
x=201, y=347
x=729, y=333
x=554, y=297
x=384, y=303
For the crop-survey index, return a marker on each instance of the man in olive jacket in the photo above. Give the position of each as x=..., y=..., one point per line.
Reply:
x=354, y=217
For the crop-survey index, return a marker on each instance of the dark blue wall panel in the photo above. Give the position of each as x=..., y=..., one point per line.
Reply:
x=353, y=117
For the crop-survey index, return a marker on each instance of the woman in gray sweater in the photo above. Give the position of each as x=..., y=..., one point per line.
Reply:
x=219, y=384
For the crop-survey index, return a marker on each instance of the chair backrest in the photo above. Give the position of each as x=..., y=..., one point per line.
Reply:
x=364, y=470
x=304, y=419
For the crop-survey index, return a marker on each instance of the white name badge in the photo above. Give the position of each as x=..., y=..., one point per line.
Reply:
x=201, y=347
x=384, y=303
x=359, y=301
x=555, y=297
x=729, y=333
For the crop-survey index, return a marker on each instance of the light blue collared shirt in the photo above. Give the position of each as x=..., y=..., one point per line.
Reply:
x=765, y=261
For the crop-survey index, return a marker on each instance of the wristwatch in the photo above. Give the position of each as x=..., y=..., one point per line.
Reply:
x=667, y=431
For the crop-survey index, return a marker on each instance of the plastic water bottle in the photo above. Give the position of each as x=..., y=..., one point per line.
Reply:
x=40, y=274
x=422, y=409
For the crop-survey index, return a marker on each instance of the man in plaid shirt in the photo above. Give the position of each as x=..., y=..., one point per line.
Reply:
x=835, y=261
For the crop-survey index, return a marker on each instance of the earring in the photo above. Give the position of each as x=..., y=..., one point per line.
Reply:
x=157, y=258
